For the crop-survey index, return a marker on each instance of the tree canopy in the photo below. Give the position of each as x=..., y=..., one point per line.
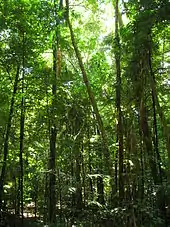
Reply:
x=84, y=113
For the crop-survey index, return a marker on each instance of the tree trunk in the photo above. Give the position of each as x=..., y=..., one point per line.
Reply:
x=79, y=200
x=22, y=120
x=53, y=134
x=148, y=142
x=118, y=102
x=77, y=131
x=166, y=129
x=91, y=95
x=90, y=167
x=142, y=177
x=52, y=178
x=100, y=190
x=83, y=177
x=22, y=124
x=45, y=211
x=161, y=193
x=5, y=147
x=60, y=193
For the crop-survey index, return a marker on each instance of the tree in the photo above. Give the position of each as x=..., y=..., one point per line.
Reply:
x=84, y=113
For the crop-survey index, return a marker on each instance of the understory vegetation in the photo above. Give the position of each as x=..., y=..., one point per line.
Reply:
x=85, y=113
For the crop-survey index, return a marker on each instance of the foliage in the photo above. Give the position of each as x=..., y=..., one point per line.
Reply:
x=35, y=37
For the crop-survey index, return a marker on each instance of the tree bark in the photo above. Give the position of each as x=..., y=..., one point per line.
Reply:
x=100, y=190
x=22, y=126
x=78, y=135
x=166, y=129
x=148, y=142
x=5, y=147
x=118, y=102
x=90, y=166
x=91, y=95
x=161, y=193
x=53, y=134
x=156, y=145
x=52, y=177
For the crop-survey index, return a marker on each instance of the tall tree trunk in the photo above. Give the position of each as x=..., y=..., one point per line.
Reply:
x=156, y=145
x=161, y=193
x=46, y=176
x=100, y=189
x=78, y=140
x=118, y=102
x=100, y=183
x=148, y=142
x=155, y=140
x=60, y=193
x=142, y=182
x=5, y=147
x=45, y=211
x=166, y=129
x=52, y=177
x=53, y=134
x=91, y=95
x=22, y=124
x=36, y=189
x=83, y=177
x=90, y=166
x=22, y=121
x=53, y=126
x=18, y=197
x=79, y=199
x=116, y=172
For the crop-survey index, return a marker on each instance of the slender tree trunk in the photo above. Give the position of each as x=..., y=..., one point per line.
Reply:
x=60, y=193
x=36, y=197
x=129, y=149
x=22, y=124
x=118, y=102
x=100, y=190
x=72, y=162
x=148, y=142
x=52, y=176
x=161, y=193
x=90, y=166
x=46, y=177
x=91, y=95
x=79, y=199
x=53, y=134
x=45, y=214
x=100, y=183
x=142, y=182
x=83, y=177
x=73, y=202
x=5, y=148
x=156, y=145
x=53, y=126
x=15, y=198
x=166, y=129
x=22, y=120
x=18, y=199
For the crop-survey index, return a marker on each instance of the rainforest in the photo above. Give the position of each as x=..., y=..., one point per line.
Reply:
x=84, y=113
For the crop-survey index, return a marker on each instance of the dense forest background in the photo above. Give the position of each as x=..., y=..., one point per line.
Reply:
x=84, y=113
